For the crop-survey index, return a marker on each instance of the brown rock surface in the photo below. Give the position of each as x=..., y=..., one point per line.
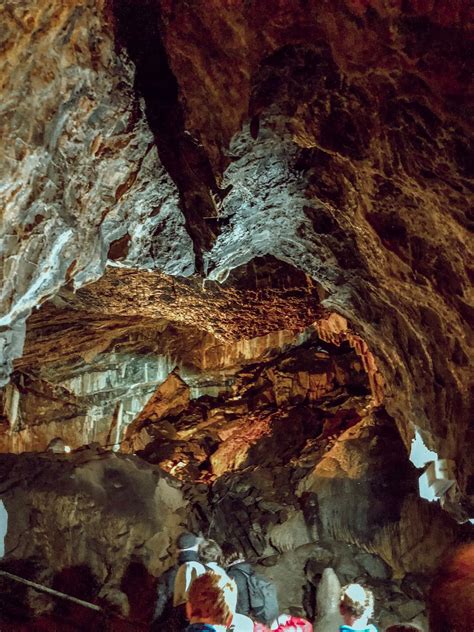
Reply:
x=359, y=121
x=331, y=136
x=91, y=514
x=80, y=170
x=169, y=399
x=238, y=180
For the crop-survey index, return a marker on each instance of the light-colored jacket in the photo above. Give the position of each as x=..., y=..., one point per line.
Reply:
x=185, y=576
x=241, y=623
x=214, y=566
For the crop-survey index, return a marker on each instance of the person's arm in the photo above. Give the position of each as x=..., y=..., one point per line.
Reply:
x=179, y=587
x=185, y=576
x=195, y=569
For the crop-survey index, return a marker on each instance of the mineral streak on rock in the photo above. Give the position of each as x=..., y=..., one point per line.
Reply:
x=234, y=240
x=80, y=170
x=343, y=133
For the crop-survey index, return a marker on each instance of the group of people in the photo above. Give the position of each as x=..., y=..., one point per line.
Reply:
x=214, y=589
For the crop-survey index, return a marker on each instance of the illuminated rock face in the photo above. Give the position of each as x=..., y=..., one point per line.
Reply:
x=358, y=177
x=255, y=175
x=185, y=138
x=332, y=498
x=80, y=170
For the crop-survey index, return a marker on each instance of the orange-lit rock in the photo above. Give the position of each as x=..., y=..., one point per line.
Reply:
x=274, y=198
x=170, y=398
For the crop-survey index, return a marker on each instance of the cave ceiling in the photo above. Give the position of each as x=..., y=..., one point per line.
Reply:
x=180, y=177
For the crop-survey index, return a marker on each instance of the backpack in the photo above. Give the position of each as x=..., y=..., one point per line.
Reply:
x=262, y=596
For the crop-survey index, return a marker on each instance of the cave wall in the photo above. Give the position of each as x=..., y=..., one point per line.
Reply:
x=91, y=514
x=333, y=498
x=76, y=138
x=350, y=117
x=338, y=143
x=234, y=177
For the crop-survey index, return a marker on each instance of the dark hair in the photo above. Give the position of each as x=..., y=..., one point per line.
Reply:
x=230, y=554
x=403, y=627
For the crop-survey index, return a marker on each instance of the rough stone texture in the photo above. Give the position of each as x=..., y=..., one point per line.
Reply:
x=116, y=340
x=338, y=143
x=170, y=399
x=384, y=516
x=98, y=372
x=256, y=299
x=310, y=163
x=80, y=170
x=334, y=496
x=107, y=512
x=300, y=518
x=313, y=389
x=359, y=123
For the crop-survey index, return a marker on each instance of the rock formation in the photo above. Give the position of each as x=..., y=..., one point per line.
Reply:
x=234, y=246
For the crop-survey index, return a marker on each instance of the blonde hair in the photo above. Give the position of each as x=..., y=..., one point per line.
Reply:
x=357, y=601
x=212, y=597
x=210, y=551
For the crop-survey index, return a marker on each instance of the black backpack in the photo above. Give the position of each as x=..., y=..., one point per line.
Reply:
x=262, y=597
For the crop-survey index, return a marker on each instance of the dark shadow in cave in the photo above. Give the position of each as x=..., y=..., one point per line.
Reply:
x=184, y=158
x=140, y=588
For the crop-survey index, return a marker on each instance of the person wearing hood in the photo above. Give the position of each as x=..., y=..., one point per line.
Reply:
x=356, y=607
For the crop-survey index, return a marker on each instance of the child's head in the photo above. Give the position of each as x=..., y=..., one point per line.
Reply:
x=356, y=602
x=210, y=551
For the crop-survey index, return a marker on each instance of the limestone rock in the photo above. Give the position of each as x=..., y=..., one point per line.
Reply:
x=376, y=168
x=411, y=609
x=373, y=566
x=328, y=598
x=76, y=137
x=171, y=397
x=114, y=508
x=291, y=534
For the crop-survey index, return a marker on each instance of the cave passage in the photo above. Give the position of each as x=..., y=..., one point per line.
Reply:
x=235, y=300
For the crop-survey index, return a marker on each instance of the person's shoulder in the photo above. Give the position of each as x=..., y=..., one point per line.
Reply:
x=192, y=564
x=194, y=567
x=243, y=569
x=214, y=566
